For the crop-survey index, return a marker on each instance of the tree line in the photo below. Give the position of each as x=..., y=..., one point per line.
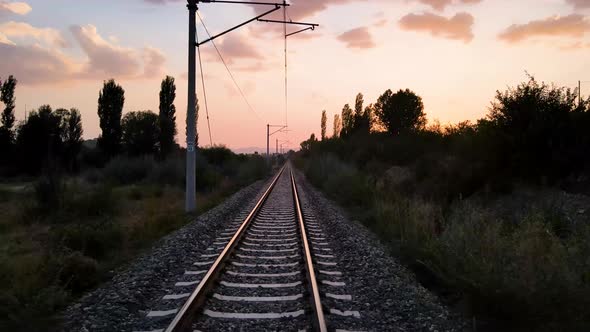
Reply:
x=534, y=131
x=50, y=138
x=395, y=113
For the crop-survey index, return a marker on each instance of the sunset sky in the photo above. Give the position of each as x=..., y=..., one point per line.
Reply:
x=454, y=53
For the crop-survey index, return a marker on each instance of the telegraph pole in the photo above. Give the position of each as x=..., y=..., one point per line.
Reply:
x=191, y=128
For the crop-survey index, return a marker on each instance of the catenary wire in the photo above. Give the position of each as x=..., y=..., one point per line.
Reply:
x=228, y=70
x=204, y=91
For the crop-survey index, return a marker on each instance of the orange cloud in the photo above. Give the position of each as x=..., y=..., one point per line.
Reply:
x=575, y=46
x=573, y=25
x=357, y=38
x=458, y=27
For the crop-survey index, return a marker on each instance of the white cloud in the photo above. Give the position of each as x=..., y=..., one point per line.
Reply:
x=19, y=8
x=23, y=30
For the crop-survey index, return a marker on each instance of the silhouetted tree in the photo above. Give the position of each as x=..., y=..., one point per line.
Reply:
x=110, y=108
x=347, y=121
x=39, y=140
x=141, y=133
x=306, y=146
x=534, y=124
x=7, y=121
x=337, y=126
x=7, y=97
x=362, y=119
x=401, y=111
x=167, y=116
x=71, y=136
x=368, y=120
x=324, y=121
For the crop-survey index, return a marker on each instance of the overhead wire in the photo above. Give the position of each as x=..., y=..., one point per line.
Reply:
x=286, y=69
x=204, y=90
x=228, y=70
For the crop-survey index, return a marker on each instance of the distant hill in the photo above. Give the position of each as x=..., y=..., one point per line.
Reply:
x=90, y=143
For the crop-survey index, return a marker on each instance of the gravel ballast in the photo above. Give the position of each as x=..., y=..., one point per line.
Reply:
x=385, y=295
x=122, y=303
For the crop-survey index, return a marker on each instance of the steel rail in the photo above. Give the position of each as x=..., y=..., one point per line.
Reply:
x=185, y=316
x=319, y=320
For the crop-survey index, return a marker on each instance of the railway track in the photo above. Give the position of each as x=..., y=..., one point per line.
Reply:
x=261, y=273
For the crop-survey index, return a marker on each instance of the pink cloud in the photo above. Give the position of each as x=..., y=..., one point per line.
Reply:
x=359, y=38
x=579, y=4
x=458, y=27
x=440, y=5
x=573, y=25
x=37, y=64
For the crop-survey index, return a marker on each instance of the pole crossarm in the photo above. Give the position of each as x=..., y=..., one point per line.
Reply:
x=281, y=129
x=277, y=7
x=289, y=22
x=299, y=31
x=245, y=2
x=310, y=26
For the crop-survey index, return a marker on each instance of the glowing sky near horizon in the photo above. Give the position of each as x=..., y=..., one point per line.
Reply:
x=454, y=53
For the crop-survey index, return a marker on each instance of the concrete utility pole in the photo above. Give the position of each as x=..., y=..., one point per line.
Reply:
x=191, y=130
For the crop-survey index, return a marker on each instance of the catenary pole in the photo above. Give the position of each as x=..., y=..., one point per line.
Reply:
x=191, y=130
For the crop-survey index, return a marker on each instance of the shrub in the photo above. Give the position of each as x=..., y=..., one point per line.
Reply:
x=95, y=240
x=79, y=273
x=49, y=191
x=124, y=170
x=169, y=172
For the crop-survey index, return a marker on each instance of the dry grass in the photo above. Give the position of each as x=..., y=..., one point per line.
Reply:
x=525, y=267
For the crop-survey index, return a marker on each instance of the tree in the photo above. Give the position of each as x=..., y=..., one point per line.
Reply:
x=358, y=105
x=38, y=140
x=368, y=118
x=307, y=145
x=110, y=109
x=141, y=133
x=337, y=126
x=538, y=127
x=71, y=136
x=347, y=121
x=7, y=97
x=167, y=116
x=7, y=120
x=324, y=121
x=401, y=111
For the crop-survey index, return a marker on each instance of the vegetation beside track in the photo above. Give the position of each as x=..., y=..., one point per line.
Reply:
x=493, y=215
x=62, y=235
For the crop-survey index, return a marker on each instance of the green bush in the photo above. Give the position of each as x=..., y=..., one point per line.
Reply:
x=125, y=170
x=95, y=240
x=169, y=172
x=79, y=273
x=343, y=180
x=49, y=191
